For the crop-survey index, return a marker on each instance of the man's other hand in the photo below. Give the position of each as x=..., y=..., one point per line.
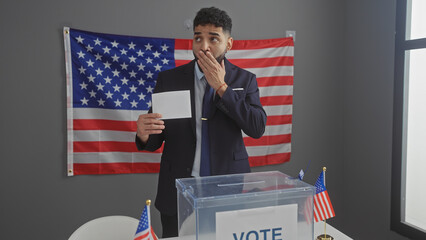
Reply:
x=148, y=124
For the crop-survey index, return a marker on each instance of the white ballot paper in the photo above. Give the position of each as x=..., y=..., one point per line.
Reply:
x=172, y=105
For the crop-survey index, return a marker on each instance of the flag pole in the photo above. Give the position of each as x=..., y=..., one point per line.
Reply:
x=325, y=224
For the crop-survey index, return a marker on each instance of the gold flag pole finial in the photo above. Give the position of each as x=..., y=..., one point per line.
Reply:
x=324, y=169
x=148, y=202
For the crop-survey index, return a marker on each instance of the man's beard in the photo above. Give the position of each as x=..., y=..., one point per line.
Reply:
x=220, y=58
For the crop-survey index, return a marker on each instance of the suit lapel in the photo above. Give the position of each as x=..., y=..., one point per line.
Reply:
x=188, y=78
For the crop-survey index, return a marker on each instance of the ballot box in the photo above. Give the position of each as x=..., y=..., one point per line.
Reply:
x=250, y=206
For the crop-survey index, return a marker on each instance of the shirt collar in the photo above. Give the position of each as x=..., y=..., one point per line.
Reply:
x=198, y=72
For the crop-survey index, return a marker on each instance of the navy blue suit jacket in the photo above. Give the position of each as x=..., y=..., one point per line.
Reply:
x=238, y=109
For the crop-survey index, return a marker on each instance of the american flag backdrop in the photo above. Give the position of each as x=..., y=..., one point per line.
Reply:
x=110, y=79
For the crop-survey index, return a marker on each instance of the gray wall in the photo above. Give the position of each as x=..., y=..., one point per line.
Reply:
x=342, y=106
x=367, y=118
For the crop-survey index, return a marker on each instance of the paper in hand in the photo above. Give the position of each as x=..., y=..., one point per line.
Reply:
x=172, y=105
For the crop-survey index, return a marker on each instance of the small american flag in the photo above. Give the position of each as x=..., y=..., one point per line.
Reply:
x=322, y=204
x=144, y=231
x=110, y=79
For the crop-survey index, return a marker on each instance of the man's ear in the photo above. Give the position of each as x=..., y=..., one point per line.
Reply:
x=229, y=43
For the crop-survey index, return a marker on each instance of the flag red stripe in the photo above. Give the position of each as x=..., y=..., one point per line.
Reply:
x=269, y=159
x=276, y=100
x=321, y=202
x=279, y=119
x=320, y=214
x=325, y=202
x=142, y=236
x=115, y=168
x=252, y=63
x=330, y=209
x=317, y=218
x=153, y=234
x=267, y=140
x=264, y=43
x=185, y=44
x=107, y=146
x=275, y=81
x=263, y=62
x=181, y=62
x=130, y=126
x=101, y=124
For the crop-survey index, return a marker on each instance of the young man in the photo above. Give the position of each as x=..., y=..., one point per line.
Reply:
x=211, y=142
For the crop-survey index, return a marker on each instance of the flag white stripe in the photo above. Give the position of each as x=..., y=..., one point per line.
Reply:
x=270, y=149
x=112, y=157
x=327, y=205
x=316, y=215
x=274, y=130
x=141, y=234
x=330, y=213
x=260, y=72
x=278, y=110
x=125, y=115
x=243, y=54
x=319, y=211
x=276, y=91
x=104, y=135
x=82, y=113
x=323, y=209
x=124, y=136
x=184, y=55
x=272, y=71
x=324, y=214
x=324, y=205
x=110, y=114
x=261, y=53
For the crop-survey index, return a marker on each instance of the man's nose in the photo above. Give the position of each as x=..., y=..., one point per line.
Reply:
x=205, y=46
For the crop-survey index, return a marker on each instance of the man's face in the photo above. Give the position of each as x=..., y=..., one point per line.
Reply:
x=212, y=39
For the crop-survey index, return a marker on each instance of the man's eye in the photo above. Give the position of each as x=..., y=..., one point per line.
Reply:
x=214, y=40
x=197, y=39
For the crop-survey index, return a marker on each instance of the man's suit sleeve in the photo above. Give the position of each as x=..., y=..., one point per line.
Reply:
x=244, y=107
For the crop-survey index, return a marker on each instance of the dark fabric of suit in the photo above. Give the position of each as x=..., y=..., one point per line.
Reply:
x=238, y=109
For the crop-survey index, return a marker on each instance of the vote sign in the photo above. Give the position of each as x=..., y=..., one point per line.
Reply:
x=266, y=223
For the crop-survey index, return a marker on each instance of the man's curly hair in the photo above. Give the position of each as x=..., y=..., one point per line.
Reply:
x=215, y=16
